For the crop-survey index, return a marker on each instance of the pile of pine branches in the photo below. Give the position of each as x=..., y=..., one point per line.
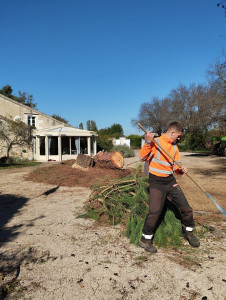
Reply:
x=126, y=201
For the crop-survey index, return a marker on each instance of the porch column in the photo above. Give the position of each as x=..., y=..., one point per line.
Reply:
x=59, y=148
x=47, y=147
x=89, y=146
x=94, y=145
x=37, y=152
x=79, y=148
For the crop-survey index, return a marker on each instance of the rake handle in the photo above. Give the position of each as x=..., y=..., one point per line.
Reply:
x=217, y=205
x=156, y=142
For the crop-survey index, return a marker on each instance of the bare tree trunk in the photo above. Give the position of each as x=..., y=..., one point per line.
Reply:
x=9, y=147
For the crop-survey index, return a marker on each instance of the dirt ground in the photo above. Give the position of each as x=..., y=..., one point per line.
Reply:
x=48, y=253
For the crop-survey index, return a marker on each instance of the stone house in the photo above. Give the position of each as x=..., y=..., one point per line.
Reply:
x=51, y=139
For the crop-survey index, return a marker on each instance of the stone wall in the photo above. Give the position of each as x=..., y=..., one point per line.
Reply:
x=14, y=110
x=23, y=151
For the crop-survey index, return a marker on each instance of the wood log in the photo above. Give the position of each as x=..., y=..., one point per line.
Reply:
x=110, y=160
x=84, y=161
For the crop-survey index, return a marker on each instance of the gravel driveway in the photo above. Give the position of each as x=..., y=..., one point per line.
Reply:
x=48, y=253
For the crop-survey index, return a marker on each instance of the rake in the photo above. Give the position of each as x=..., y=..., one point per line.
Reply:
x=223, y=211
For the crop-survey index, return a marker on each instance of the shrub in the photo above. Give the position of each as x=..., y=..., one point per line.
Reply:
x=3, y=159
x=15, y=159
x=125, y=150
x=135, y=140
x=194, y=140
x=103, y=143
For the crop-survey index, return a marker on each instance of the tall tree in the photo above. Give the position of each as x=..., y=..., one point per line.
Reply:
x=155, y=115
x=216, y=75
x=116, y=129
x=193, y=106
x=80, y=126
x=93, y=126
x=197, y=108
x=88, y=125
x=184, y=106
x=222, y=4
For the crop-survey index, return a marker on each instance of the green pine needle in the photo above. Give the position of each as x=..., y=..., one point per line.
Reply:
x=126, y=201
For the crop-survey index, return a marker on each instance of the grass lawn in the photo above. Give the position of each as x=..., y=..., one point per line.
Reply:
x=197, y=150
x=19, y=164
x=202, y=150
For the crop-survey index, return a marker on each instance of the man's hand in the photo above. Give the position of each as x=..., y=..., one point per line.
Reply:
x=183, y=169
x=149, y=137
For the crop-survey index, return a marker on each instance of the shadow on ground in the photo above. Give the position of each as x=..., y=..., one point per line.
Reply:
x=197, y=154
x=211, y=172
x=9, y=262
x=9, y=206
x=12, y=258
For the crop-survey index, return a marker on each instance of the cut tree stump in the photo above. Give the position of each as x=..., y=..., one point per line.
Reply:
x=84, y=161
x=110, y=160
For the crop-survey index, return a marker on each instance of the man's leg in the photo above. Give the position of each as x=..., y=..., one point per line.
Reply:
x=157, y=199
x=178, y=198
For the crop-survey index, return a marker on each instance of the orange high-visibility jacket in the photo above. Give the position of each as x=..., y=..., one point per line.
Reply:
x=159, y=163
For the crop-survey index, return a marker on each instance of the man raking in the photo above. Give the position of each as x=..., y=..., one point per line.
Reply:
x=163, y=184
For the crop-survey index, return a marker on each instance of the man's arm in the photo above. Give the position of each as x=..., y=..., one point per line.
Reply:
x=149, y=137
x=182, y=169
x=148, y=145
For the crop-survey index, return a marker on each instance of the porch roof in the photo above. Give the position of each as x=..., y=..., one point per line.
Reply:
x=64, y=131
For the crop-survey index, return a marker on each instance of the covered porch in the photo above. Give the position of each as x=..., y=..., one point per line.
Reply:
x=63, y=143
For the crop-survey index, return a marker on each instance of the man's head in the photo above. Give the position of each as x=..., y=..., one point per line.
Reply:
x=174, y=131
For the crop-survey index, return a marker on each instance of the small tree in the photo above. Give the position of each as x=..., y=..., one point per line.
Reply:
x=59, y=118
x=6, y=90
x=24, y=98
x=14, y=133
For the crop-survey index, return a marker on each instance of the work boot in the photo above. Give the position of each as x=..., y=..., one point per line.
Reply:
x=147, y=245
x=193, y=240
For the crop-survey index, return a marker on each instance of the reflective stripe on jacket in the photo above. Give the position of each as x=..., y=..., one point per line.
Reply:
x=159, y=162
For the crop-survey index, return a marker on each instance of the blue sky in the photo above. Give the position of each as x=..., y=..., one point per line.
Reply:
x=101, y=59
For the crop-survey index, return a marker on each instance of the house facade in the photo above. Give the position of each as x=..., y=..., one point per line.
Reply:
x=52, y=139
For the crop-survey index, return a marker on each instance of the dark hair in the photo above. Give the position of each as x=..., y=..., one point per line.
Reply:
x=176, y=126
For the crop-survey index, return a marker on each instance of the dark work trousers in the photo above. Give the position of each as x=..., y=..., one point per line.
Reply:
x=160, y=189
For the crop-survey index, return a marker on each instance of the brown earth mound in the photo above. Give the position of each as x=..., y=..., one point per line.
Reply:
x=62, y=174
